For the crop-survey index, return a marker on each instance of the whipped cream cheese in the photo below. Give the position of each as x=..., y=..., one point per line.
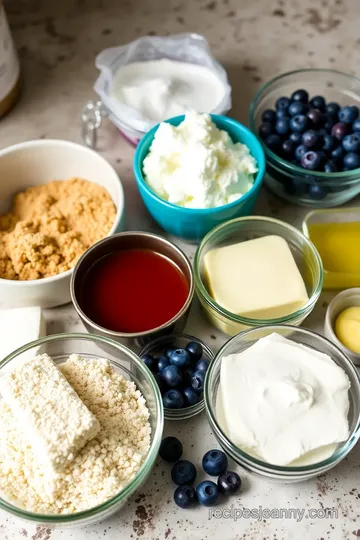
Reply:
x=283, y=402
x=196, y=165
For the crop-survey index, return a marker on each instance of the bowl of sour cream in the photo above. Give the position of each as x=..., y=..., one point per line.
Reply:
x=283, y=402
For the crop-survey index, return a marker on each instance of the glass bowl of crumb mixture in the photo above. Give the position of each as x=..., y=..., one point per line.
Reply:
x=123, y=395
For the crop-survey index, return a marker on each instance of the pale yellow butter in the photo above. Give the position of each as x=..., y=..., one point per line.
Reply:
x=258, y=279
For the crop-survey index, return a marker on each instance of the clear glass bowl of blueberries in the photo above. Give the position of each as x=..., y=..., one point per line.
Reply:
x=179, y=363
x=309, y=124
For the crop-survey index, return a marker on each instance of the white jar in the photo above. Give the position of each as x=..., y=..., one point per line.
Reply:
x=9, y=67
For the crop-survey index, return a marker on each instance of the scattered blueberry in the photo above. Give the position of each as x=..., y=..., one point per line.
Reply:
x=300, y=95
x=269, y=116
x=183, y=472
x=173, y=399
x=311, y=160
x=180, y=358
x=149, y=361
x=282, y=103
x=330, y=167
x=266, y=129
x=351, y=143
x=191, y=396
x=329, y=143
x=299, y=123
x=282, y=126
x=207, y=493
x=348, y=114
x=229, y=483
x=296, y=137
x=333, y=108
x=310, y=138
x=300, y=151
x=317, y=192
x=356, y=125
x=185, y=496
x=351, y=161
x=201, y=365
x=316, y=118
x=162, y=363
x=318, y=102
x=339, y=130
x=197, y=381
x=214, y=462
x=171, y=449
x=337, y=154
x=195, y=349
x=172, y=375
x=296, y=107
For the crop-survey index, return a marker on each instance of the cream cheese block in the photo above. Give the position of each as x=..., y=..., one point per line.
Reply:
x=258, y=279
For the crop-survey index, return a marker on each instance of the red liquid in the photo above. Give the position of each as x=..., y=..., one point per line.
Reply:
x=133, y=291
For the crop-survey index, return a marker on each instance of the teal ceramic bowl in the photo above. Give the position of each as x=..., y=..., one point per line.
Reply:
x=193, y=223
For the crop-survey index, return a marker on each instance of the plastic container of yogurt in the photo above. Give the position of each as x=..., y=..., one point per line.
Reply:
x=154, y=78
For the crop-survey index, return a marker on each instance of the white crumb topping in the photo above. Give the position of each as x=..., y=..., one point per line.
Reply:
x=103, y=467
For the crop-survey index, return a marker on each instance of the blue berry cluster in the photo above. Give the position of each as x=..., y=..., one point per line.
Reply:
x=313, y=134
x=180, y=374
x=184, y=473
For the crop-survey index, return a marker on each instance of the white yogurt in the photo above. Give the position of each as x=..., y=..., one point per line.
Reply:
x=283, y=402
x=160, y=89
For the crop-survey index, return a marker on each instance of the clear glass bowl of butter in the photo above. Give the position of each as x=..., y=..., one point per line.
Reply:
x=130, y=367
x=316, y=462
x=254, y=271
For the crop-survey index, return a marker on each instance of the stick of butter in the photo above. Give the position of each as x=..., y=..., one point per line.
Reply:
x=257, y=279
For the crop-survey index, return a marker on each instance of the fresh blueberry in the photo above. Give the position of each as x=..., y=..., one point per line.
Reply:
x=201, y=365
x=356, y=125
x=207, y=493
x=300, y=95
x=329, y=143
x=296, y=137
x=351, y=161
x=273, y=142
x=269, y=115
x=172, y=375
x=197, y=381
x=185, y=496
x=316, y=118
x=180, y=358
x=162, y=363
x=161, y=383
x=310, y=138
x=214, y=462
x=296, y=107
x=311, y=160
x=195, y=349
x=351, y=143
x=318, y=102
x=300, y=151
x=332, y=108
x=340, y=130
x=191, y=396
x=282, y=126
x=173, y=399
x=169, y=351
x=299, y=123
x=187, y=376
x=329, y=122
x=149, y=361
x=348, y=114
x=266, y=129
x=229, y=483
x=183, y=472
x=287, y=149
x=282, y=103
x=317, y=192
x=171, y=449
x=281, y=113
x=337, y=154
x=330, y=167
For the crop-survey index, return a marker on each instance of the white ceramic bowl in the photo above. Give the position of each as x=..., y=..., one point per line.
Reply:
x=343, y=300
x=38, y=162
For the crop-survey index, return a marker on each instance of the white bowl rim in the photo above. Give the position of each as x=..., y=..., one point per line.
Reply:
x=119, y=212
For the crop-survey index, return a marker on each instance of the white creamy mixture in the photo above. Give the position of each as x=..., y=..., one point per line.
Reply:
x=196, y=165
x=283, y=402
x=160, y=89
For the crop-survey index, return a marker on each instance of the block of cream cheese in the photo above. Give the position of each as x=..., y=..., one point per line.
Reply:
x=257, y=279
x=19, y=326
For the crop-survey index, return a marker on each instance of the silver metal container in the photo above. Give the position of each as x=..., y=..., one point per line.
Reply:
x=132, y=240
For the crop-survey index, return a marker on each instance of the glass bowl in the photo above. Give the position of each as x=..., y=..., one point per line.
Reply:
x=287, y=180
x=272, y=472
x=157, y=347
x=247, y=228
x=128, y=364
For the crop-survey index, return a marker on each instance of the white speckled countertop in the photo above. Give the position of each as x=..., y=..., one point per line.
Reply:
x=255, y=39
